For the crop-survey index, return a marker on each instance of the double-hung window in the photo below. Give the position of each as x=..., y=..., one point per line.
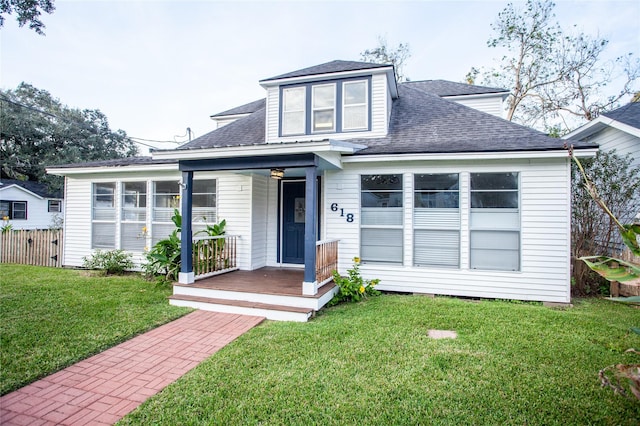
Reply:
x=381, y=227
x=13, y=210
x=436, y=220
x=293, y=110
x=204, y=203
x=103, y=215
x=166, y=198
x=133, y=230
x=495, y=221
x=355, y=106
x=323, y=104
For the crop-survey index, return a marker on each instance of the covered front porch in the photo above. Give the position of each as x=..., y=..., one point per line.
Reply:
x=272, y=292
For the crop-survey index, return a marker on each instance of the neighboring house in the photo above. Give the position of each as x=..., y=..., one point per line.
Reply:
x=617, y=130
x=433, y=195
x=29, y=205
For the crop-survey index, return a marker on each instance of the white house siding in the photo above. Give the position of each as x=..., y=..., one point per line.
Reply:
x=38, y=216
x=380, y=111
x=259, y=221
x=624, y=143
x=233, y=202
x=544, y=207
x=490, y=105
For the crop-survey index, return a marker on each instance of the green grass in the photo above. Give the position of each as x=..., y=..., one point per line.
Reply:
x=51, y=318
x=372, y=363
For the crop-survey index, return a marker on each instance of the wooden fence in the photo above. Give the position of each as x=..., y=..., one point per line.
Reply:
x=214, y=255
x=40, y=247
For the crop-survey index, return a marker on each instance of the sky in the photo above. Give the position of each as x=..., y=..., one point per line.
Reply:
x=157, y=67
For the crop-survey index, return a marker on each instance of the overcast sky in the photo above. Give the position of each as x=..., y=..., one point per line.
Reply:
x=157, y=67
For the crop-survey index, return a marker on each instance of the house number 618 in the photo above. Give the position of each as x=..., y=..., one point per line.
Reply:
x=348, y=216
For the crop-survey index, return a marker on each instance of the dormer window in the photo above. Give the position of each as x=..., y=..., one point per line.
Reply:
x=293, y=107
x=325, y=107
x=355, y=110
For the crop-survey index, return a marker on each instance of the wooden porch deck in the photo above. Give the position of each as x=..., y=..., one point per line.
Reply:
x=267, y=280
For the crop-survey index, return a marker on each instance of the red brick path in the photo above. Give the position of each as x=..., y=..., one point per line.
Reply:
x=104, y=388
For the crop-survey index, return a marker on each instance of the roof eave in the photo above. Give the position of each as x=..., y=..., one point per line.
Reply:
x=282, y=148
x=458, y=156
x=67, y=171
x=40, y=197
x=598, y=124
x=324, y=76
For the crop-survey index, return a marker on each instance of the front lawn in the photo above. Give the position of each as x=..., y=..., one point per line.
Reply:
x=51, y=318
x=373, y=363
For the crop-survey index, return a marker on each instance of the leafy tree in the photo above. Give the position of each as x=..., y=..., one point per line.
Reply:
x=556, y=78
x=37, y=131
x=616, y=184
x=384, y=54
x=27, y=11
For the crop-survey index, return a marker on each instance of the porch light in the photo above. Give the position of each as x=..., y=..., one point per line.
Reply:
x=277, y=173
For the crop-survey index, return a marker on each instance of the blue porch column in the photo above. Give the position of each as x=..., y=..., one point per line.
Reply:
x=186, y=235
x=309, y=285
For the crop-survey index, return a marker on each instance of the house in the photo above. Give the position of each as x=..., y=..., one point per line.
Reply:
x=617, y=130
x=29, y=205
x=423, y=181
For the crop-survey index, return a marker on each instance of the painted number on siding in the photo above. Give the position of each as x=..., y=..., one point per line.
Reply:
x=348, y=216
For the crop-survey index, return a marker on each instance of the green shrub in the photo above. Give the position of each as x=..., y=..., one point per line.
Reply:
x=353, y=288
x=112, y=262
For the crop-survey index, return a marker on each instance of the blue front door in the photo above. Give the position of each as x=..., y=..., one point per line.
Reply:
x=293, y=219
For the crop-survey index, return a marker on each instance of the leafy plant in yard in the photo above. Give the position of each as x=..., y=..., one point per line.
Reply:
x=353, y=288
x=620, y=376
x=6, y=225
x=164, y=256
x=112, y=262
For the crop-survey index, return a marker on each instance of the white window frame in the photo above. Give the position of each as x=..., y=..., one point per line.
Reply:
x=345, y=106
x=210, y=212
x=315, y=109
x=502, y=220
x=158, y=214
x=365, y=211
x=436, y=220
x=285, y=131
x=138, y=226
x=101, y=221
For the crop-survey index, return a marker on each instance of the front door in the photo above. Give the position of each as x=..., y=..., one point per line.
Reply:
x=293, y=218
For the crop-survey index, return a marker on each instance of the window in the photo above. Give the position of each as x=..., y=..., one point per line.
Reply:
x=166, y=198
x=436, y=220
x=324, y=107
x=495, y=221
x=204, y=203
x=54, y=206
x=133, y=235
x=355, y=110
x=103, y=215
x=293, y=111
x=336, y=106
x=381, y=225
x=15, y=210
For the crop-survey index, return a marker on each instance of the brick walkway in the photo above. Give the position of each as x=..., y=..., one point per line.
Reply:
x=104, y=388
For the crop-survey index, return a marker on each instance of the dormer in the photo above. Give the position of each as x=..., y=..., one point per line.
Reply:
x=337, y=100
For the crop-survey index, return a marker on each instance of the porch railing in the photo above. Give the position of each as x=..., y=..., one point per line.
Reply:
x=326, y=260
x=214, y=255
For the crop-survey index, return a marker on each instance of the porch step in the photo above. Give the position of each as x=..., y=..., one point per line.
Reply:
x=272, y=312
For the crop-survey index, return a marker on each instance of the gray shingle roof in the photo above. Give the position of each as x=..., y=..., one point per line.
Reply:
x=327, y=68
x=628, y=114
x=420, y=123
x=450, y=88
x=243, y=109
x=37, y=188
x=244, y=131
